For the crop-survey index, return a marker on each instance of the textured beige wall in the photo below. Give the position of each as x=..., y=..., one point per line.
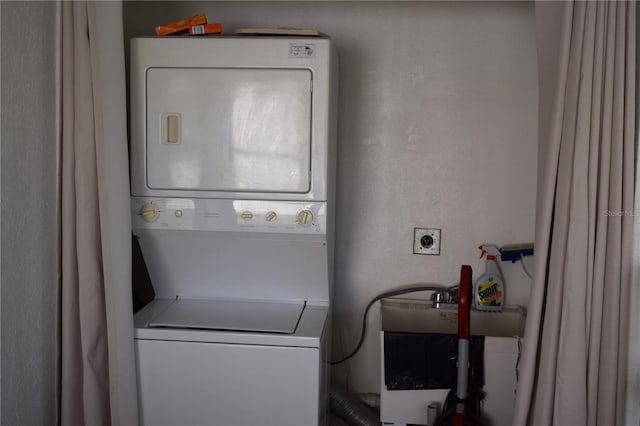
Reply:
x=28, y=191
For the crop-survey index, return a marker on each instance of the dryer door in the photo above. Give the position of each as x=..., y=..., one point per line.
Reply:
x=228, y=129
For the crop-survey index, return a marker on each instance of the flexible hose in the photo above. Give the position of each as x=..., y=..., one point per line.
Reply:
x=350, y=409
x=396, y=292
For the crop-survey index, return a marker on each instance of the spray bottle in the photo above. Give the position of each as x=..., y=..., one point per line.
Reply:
x=489, y=291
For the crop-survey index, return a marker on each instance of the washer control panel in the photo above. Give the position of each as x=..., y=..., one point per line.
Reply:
x=293, y=217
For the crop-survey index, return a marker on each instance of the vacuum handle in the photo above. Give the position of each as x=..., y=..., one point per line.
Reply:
x=464, y=302
x=464, y=299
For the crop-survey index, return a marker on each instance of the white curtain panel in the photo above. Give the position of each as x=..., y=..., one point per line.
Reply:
x=97, y=358
x=574, y=360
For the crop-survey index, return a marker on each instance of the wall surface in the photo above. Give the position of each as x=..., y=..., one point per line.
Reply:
x=437, y=128
x=28, y=192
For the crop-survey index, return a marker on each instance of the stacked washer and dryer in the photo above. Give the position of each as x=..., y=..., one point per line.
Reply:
x=232, y=171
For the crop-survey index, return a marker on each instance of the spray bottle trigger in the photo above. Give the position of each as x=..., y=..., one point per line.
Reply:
x=482, y=251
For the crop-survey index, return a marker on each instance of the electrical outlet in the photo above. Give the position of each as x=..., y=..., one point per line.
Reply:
x=426, y=241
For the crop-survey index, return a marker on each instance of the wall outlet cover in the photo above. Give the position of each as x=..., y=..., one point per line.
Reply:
x=426, y=241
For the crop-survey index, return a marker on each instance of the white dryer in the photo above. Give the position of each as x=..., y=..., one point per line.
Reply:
x=232, y=171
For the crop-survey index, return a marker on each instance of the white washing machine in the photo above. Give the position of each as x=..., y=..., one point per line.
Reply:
x=232, y=166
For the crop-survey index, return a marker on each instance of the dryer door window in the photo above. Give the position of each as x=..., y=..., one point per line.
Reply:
x=228, y=129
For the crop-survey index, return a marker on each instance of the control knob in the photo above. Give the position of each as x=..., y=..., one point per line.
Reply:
x=271, y=216
x=149, y=212
x=304, y=217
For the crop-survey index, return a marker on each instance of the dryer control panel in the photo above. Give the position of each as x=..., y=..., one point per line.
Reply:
x=288, y=217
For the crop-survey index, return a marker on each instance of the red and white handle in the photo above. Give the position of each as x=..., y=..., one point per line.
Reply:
x=464, y=305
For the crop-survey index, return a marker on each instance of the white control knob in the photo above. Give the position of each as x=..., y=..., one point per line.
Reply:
x=246, y=215
x=149, y=212
x=304, y=217
x=271, y=216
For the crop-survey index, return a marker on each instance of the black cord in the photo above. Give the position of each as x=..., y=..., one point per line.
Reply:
x=390, y=293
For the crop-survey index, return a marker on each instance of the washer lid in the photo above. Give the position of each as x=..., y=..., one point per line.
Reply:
x=256, y=316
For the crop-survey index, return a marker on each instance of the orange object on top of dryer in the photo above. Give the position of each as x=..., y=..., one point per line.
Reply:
x=181, y=24
x=212, y=28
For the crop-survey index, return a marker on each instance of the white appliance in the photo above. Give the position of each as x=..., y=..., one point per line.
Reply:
x=232, y=166
x=503, y=332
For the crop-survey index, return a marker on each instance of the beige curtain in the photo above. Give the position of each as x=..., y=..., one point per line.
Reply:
x=97, y=385
x=632, y=413
x=574, y=360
